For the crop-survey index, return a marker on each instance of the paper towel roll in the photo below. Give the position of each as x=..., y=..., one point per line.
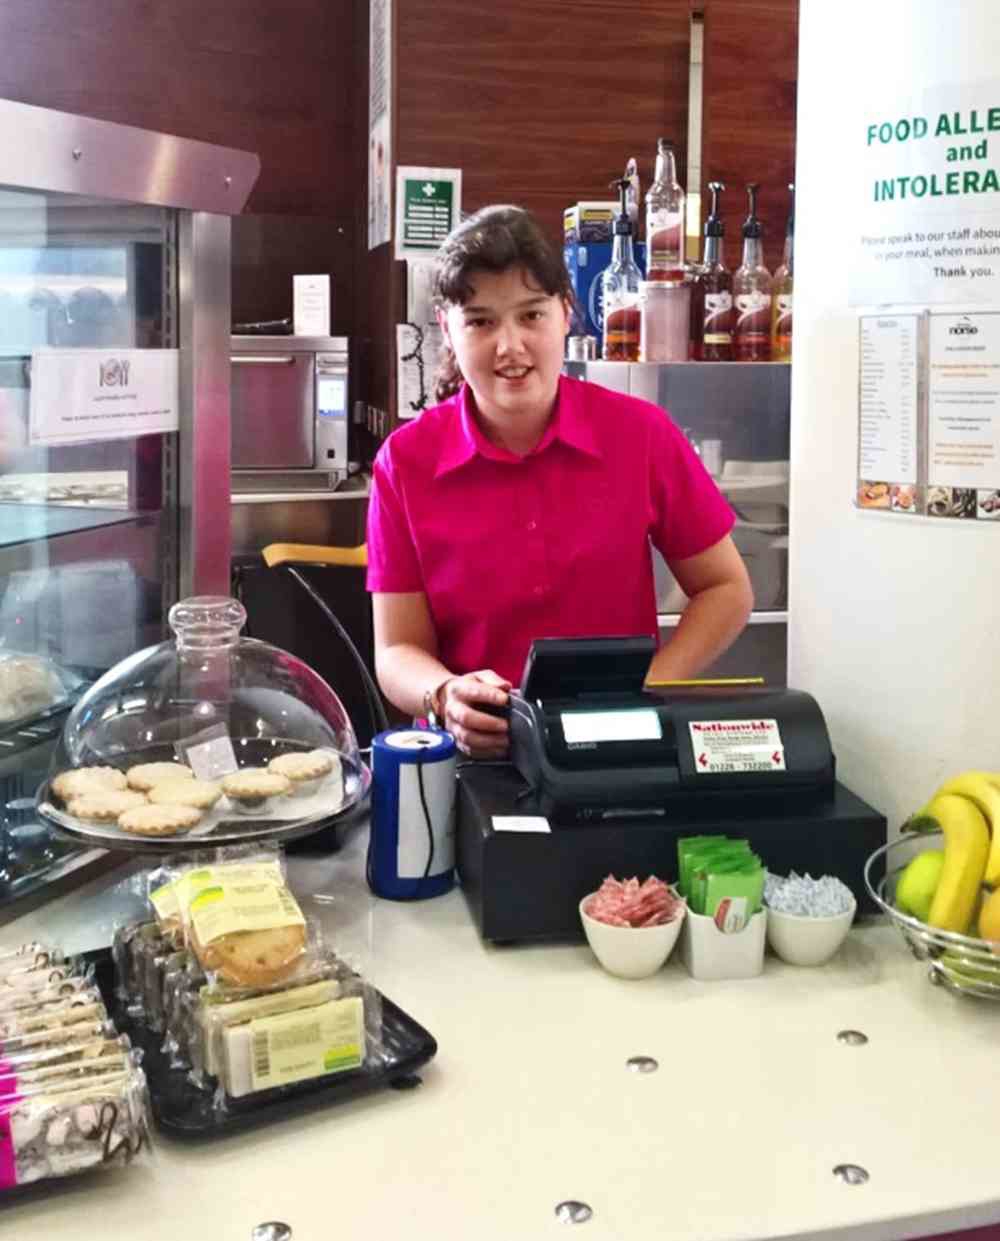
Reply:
x=411, y=850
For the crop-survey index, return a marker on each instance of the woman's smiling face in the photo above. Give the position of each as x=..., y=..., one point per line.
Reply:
x=508, y=339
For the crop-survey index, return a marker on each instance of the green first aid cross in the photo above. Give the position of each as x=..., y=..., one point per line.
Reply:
x=427, y=213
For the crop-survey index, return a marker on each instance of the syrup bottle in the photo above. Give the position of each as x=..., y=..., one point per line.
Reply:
x=712, y=293
x=620, y=290
x=781, y=313
x=665, y=218
x=752, y=292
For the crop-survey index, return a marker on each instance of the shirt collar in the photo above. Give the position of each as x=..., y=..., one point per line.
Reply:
x=463, y=439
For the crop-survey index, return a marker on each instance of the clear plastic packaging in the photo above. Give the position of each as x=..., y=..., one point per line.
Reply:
x=84, y=1005
x=98, y=1124
x=39, y=980
x=50, y=991
x=22, y=1068
x=284, y=1049
x=129, y=946
x=184, y=979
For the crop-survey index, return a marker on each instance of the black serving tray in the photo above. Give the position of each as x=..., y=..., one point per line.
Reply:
x=187, y=1113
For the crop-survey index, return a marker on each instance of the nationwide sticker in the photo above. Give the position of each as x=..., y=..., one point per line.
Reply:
x=725, y=746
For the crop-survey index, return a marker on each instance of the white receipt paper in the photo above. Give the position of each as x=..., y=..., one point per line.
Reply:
x=520, y=823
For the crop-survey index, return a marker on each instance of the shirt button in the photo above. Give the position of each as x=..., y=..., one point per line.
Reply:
x=539, y=590
x=532, y=525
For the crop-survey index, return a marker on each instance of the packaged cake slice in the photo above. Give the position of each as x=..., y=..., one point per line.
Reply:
x=100, y=1124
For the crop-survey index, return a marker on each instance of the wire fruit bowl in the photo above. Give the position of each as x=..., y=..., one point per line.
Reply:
x=961, y=963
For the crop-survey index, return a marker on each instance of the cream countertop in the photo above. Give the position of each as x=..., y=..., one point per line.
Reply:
x=529, y=1102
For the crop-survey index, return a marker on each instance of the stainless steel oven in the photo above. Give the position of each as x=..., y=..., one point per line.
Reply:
x=292, y=421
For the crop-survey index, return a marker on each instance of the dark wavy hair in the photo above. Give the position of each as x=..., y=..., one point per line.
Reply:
x=493, y=240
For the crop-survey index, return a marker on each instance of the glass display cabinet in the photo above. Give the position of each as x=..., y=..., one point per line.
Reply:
x=114, y=246
x=737, y=416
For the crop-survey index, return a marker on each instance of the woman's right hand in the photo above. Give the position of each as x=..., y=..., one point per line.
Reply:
x=477, y=732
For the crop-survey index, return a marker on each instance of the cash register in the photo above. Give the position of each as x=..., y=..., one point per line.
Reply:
x=606, y=772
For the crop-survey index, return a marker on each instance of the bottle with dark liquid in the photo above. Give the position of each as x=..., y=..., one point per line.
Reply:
x=752, y=292
x=620, y=290
x=712, y=293
x=784, y=280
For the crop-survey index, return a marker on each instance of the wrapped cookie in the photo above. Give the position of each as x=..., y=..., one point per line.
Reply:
x=35, y=981
x=68, y=1075
x=95, y=1025
x=14, y=1000
x=27, y=956
x=85, y=1005
x=99, y=1125
x=246, y=928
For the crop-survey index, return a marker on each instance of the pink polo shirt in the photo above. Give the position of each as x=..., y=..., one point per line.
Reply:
x=553, y=544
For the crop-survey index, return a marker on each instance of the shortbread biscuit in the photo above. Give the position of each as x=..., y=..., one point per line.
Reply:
x=147, y=775
x=81, y=780
x=159, y=820
x=251, y=787
x=105, y=807
x=202, y=794
x=253, y=958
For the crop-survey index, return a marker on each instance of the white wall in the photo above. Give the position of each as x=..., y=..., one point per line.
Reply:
x=895, y=621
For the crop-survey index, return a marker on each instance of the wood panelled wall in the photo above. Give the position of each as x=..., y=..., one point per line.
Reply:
x=748, y=122
x=277, y=79
x=538, y=102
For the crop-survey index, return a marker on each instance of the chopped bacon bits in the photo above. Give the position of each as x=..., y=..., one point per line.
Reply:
x=628, y=902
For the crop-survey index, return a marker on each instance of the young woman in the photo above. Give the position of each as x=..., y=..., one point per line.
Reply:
x=523, y=506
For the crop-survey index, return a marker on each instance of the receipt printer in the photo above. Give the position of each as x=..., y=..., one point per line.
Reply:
x=593, y=743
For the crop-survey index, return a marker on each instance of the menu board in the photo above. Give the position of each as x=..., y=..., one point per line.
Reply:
x=889, y=413
x=929, y=415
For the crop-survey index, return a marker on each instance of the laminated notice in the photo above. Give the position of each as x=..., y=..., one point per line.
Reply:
x=724, y=746
x=293, y=1047
x=231, y=907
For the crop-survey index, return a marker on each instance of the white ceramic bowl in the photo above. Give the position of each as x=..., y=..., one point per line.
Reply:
x=631, y=952
x=801, y=940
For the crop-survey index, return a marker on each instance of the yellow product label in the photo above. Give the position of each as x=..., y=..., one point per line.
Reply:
x=164, y=902
x=250, y=905
x=292, y=1047
x=194, y=881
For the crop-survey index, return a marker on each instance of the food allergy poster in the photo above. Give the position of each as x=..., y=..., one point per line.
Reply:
x=379, y=123
x=100, y=394
x=929, y=415
x=927, y=198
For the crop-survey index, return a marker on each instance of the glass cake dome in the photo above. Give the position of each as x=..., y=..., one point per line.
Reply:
x=247, y=736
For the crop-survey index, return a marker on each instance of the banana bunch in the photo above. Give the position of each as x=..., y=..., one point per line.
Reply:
x=966, y=810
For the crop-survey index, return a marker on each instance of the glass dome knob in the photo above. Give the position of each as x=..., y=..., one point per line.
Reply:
x=206, y=622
